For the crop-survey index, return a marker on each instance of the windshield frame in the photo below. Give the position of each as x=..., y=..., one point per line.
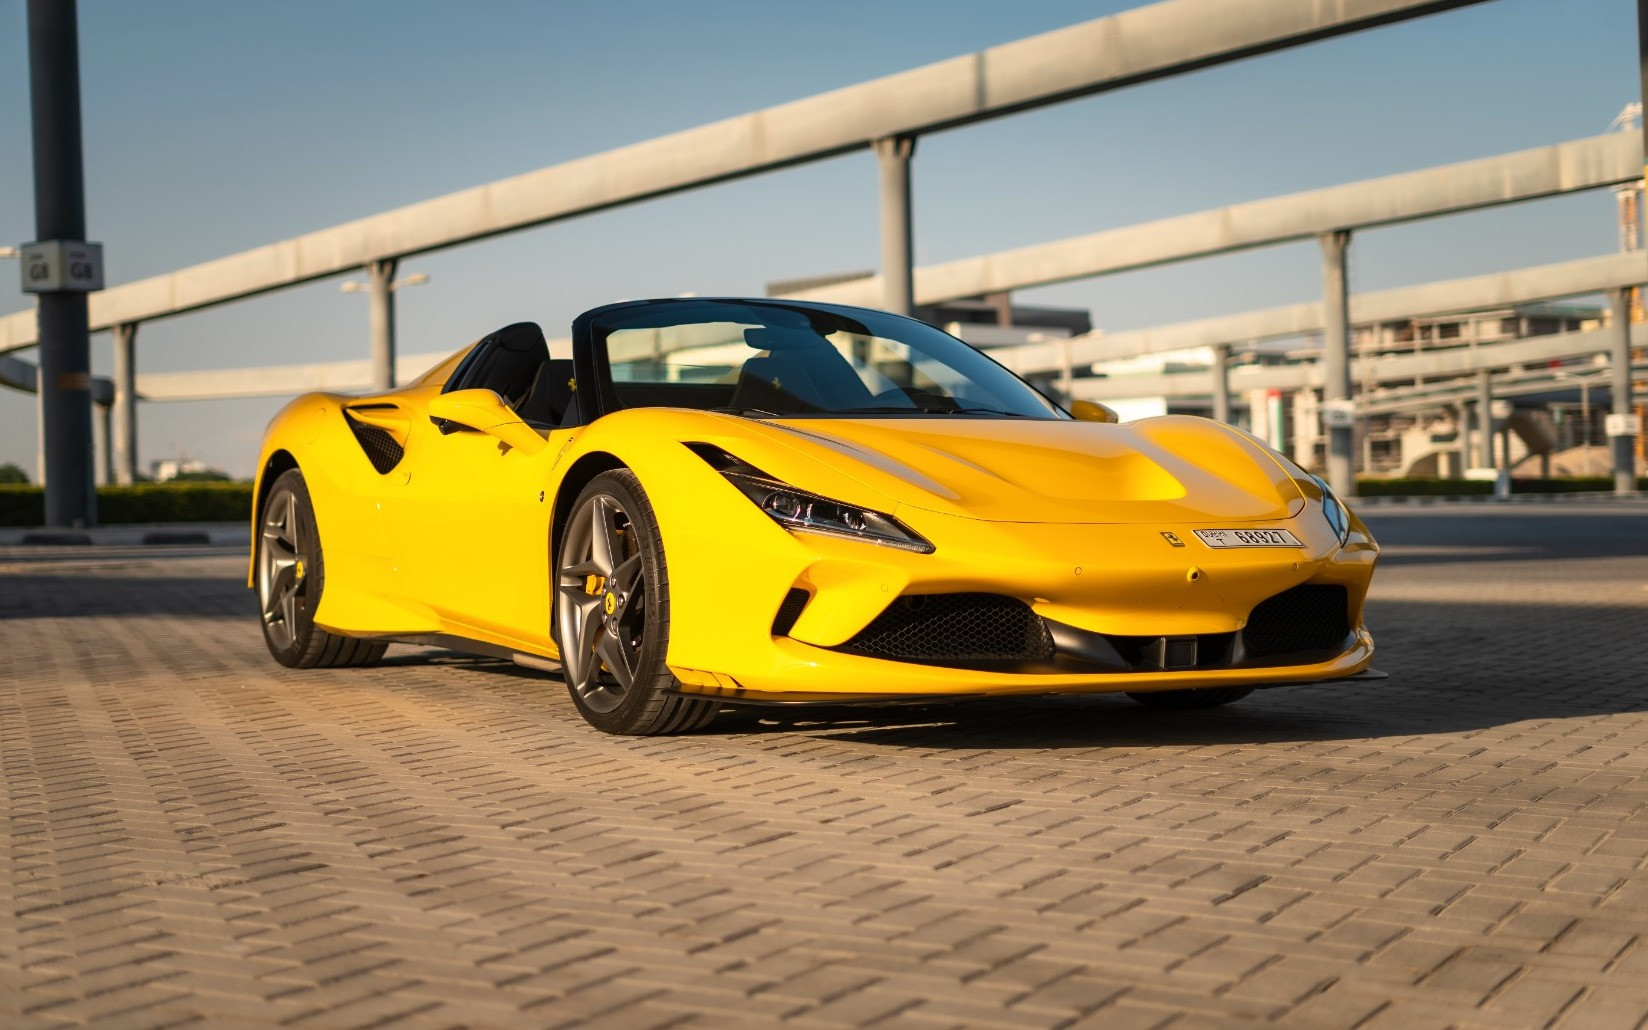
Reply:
x=592, y=329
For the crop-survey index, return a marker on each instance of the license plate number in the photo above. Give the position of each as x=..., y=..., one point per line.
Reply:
x=1248, y=538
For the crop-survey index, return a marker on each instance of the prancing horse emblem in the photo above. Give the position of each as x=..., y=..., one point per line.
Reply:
x=1172, y=538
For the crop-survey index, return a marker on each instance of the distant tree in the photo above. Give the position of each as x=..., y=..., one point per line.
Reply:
x=10, y=473
x=203, y=476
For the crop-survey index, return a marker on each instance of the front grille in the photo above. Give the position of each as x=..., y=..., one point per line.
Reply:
x=1206, y=651
x=789, y=611
x=955, y=629
x=381, y=447
x=1309, y=617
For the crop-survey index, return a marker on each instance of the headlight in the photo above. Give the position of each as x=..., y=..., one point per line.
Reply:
x=803, y=512
x=1338, y=515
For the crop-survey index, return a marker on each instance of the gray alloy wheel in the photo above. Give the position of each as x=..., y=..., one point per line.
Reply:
x=283, y=564
x=612, y=614
x=290, y=577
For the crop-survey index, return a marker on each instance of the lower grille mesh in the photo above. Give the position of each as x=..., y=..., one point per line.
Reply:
x=950, y=629
x=1309, y=617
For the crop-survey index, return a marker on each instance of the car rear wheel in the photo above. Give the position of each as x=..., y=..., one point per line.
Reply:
x=290, y=576
x=612, y=614
x=1205, y=697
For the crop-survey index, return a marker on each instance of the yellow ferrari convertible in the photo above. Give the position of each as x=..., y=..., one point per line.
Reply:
x=719, y=501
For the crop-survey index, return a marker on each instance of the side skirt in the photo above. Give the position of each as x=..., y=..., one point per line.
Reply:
x=479, y=648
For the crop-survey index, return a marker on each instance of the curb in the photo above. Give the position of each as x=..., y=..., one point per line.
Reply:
x=178, y=534
x=1575, y=497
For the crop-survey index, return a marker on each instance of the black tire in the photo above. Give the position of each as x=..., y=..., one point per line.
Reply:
x=291, y=573
x=1203, y=697
x=627, y=617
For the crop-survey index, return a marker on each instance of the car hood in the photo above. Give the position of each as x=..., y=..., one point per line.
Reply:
x=1168, y=469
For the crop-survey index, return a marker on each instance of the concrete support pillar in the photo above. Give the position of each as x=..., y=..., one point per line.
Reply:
x=1221, y=383
x=1619, y=307
x=1484, y=418
x=1002, y=301
x=40, y=426
x=1462, y=412
x=381, y=286
x=1341, y=455
x=897, y=247
x=123, y=432
x=102, y=432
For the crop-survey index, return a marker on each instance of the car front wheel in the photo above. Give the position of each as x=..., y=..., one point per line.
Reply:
x=612, y=614
x=291, y=573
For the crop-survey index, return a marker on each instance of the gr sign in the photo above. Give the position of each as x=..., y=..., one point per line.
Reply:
x=1622, y=425
x=55, y=266
x=1338, y=414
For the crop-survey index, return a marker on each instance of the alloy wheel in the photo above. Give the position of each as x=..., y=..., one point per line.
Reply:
x=600, y=608
x=283, y=568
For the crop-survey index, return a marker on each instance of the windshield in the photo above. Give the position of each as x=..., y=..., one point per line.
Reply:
x=775, y=359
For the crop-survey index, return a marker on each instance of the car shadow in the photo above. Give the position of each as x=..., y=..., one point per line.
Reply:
x=1453, y=668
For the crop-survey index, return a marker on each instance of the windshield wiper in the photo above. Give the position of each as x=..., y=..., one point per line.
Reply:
x=747, y=412
x=891, y=409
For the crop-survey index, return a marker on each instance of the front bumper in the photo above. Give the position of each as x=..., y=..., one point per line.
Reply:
x=795, y=698
x=1119, y=580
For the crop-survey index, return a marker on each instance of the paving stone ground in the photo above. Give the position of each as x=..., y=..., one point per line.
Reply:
x=193, y=835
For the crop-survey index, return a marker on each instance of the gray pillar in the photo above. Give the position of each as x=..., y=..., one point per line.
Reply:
x=1463, y=413
x=1484, y=418
x=123, y=441
x=60, y=214
x=40, y=426
x=1221, y=383
x=381, y=286
x=1625, y=469
x=1341, y=442
x=897, y=249
x=101, y=443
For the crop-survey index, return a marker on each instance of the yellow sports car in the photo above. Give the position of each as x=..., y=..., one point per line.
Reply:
x=714, y=501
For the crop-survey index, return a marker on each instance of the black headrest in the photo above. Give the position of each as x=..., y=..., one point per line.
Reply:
x=520, y=337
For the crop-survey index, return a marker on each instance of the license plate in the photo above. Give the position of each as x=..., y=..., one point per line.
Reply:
x=1248, y=538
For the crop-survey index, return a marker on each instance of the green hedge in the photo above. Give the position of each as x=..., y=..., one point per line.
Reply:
x=1472, y=487
x=145, y=502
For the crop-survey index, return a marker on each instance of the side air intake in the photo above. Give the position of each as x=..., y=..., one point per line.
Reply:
x=380, y=445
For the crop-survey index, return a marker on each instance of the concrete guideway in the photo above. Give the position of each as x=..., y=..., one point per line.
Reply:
x=1124, y=49
x=197, y=834
x=1586, y=164
x=1476, y=293
x=1383, y=368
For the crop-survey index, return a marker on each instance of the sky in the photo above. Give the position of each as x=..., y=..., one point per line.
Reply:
x=213, y=127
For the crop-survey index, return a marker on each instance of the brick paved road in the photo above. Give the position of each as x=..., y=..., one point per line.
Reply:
x=193, y=835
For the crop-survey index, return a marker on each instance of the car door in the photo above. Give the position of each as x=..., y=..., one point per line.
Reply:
x=469, y=524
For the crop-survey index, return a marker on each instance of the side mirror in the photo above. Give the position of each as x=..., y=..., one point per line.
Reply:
x=1092, y=411
x=485, y=411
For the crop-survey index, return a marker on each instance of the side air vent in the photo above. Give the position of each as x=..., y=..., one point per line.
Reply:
x=380, y=445
x=1309, y=617
x=956, y=630
x=794, y=602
